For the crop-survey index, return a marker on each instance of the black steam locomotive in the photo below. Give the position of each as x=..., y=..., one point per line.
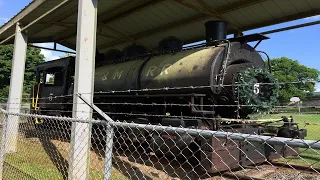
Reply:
x=194, y=87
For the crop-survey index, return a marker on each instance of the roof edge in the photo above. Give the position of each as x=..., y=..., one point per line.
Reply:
x=29, y=8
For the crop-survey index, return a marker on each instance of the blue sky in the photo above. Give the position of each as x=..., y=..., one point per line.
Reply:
x=298, y=44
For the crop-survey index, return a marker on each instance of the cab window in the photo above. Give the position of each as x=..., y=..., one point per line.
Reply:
x=53, y=76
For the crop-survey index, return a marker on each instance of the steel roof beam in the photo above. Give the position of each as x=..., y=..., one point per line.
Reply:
x=123, y=35
x=33, y=5
x=51, y=49
x=214, y=13
x=207, y=10
x=73, y=29
x=121, y=11
x=283, y=19
x=57, y=20
x=291, y=27
x=271, y=22
x=124, y=11
x=195, y=18
x=36, y=20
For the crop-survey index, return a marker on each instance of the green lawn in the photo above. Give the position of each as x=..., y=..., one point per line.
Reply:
x=311, y=122
x=33, y=161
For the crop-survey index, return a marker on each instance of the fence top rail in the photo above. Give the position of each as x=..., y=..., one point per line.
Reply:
x=290, y=142
x=59, y=118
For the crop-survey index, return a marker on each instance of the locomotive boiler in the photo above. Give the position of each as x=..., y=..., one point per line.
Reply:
x=227, y=79
x=192, y=87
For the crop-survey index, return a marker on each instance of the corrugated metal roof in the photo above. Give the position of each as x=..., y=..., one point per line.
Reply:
x=146, y=22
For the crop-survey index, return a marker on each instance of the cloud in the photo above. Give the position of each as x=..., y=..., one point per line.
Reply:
x=48, y=55
x=2, y=19
x=313, y=18
x=47, y=45
x=318, y=87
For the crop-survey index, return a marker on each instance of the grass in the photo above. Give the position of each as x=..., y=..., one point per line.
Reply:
x=30, y=161
x=33, y=161
x=311, y=122
x=306, y=157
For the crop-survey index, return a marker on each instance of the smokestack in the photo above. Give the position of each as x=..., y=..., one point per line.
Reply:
x=215, y=30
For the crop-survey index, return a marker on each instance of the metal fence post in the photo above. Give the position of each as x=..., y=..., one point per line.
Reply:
x=3, y=143
x=84, y=83
x=108, y=152
x=109, y=137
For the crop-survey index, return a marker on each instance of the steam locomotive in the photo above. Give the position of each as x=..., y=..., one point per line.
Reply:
x=194, y=87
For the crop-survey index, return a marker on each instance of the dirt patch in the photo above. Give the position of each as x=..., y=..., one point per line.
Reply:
x=273, y=172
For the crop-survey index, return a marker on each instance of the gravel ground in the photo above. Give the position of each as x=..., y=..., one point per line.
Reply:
x=275, y=173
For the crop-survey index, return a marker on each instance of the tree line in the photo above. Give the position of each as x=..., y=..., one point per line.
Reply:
x=285, y=70
x=33, y=59
x=296, y=79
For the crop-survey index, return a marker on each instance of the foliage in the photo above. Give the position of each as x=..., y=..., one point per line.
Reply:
x=262, y=99
x=34, y=57
x=288, y=71
x=51, y=80
x=66, y=55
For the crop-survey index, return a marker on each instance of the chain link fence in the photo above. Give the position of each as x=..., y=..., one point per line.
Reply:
x=191, y=142
x=124, y=150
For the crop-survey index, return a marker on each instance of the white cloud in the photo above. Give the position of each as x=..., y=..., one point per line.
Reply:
x=318, y=87
x=2, y=19
x=47, y=45
x=314, y=18
x=48, y=55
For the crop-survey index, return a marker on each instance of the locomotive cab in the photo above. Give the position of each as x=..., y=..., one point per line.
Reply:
x=53, y=79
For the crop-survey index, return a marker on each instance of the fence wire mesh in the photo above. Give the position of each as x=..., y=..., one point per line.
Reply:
x=141, y=151
x=192, y=142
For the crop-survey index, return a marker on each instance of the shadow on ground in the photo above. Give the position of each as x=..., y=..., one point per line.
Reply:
x=133, y=162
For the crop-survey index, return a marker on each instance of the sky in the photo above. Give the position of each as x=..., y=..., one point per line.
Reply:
x=298, y=44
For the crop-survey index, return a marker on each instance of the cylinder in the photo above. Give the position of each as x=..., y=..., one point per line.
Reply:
x=215, y=30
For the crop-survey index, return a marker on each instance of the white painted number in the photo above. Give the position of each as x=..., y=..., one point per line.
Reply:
x=256, y=89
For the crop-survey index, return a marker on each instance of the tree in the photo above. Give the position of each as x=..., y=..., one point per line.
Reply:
x=294, y=78
x=34, y=58
x=51, y=80
x=66, y=55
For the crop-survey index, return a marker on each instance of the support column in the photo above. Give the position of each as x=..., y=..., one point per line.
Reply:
x=84, y=85
x=16, y=88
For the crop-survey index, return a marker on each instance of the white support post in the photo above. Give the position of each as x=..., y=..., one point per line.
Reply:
x=84, y=85
x=16, y=88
